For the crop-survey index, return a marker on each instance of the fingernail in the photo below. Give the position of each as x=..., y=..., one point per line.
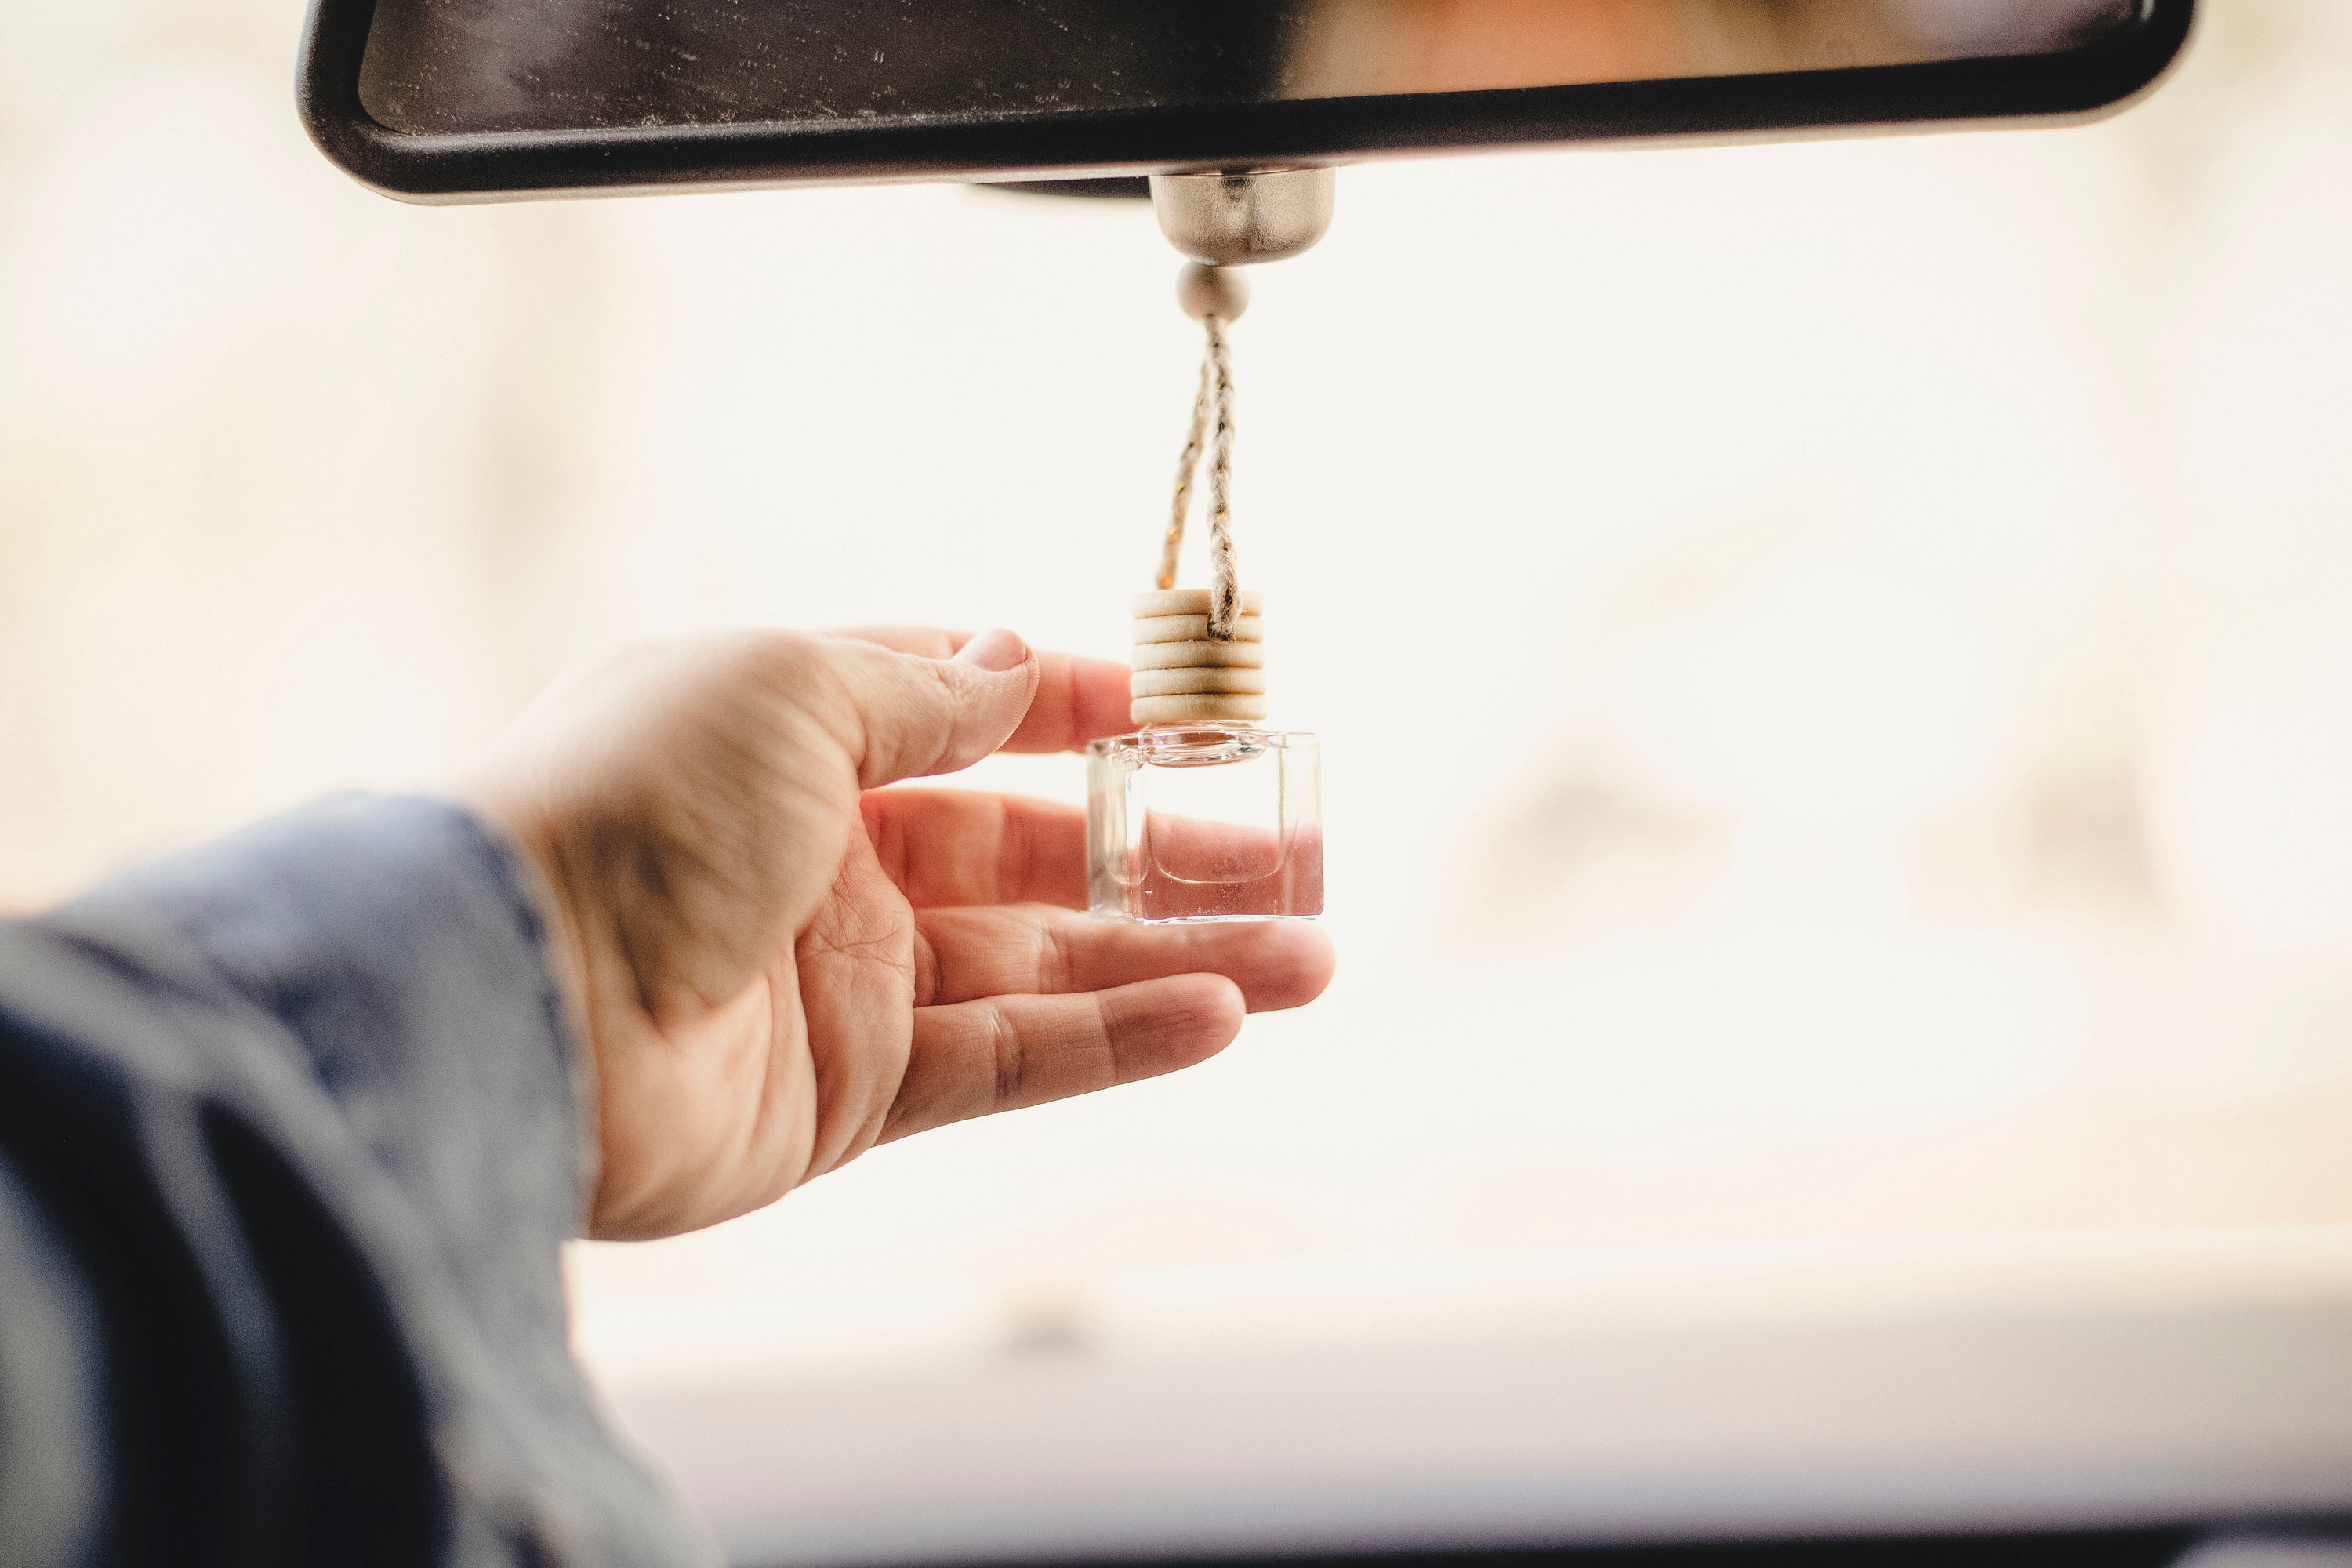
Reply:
x=997, y=650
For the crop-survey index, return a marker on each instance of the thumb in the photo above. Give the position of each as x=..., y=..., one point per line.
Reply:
x=909, y=716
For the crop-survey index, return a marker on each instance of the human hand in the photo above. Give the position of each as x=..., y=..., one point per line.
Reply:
x=780, y=964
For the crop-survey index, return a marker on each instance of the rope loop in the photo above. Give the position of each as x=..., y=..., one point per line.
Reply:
x=1213, y=427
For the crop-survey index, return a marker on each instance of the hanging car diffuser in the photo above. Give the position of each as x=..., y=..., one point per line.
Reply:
x=1203, y=813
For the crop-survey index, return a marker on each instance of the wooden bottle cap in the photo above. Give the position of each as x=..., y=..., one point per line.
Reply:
x=1198, y=655
x=1199, y=677
x=1194, y=628
x=1185, y=602
x=1183, y=675
x=1196, y=708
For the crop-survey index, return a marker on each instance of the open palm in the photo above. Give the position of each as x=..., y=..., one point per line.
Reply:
x=779, y=962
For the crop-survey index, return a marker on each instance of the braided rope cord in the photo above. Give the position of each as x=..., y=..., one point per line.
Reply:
x=1213, y=425
x=1185, y=466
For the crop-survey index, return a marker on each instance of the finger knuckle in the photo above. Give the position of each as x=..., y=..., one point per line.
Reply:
x=1056, y=960
x=1011, y=1059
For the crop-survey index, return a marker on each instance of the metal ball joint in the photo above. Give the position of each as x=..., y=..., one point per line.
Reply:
x=1206, y=291
x=1231, y=219
x=1241, y=216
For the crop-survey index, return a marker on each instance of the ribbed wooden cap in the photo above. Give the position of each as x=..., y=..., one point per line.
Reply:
x=1185, y=675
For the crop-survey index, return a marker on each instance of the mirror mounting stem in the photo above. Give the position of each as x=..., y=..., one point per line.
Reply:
x=1239, y=216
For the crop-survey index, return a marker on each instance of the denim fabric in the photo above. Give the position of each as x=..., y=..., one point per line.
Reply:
x=292, y=1132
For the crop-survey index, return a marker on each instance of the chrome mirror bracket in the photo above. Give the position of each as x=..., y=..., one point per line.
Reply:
x=1237, y=217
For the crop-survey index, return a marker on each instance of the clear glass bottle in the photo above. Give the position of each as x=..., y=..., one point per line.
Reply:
x=1210, y=821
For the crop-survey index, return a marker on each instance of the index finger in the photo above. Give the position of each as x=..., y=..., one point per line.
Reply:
x=1078, y=700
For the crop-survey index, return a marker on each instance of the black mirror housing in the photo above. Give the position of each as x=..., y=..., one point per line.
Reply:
x=537, y=154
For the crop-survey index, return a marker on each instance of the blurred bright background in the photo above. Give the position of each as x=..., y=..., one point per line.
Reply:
x=1860, y=806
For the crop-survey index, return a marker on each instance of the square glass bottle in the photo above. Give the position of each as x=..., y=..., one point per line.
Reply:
x=1209, y=821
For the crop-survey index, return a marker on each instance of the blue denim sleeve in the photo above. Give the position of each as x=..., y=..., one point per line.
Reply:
x=292, y=1132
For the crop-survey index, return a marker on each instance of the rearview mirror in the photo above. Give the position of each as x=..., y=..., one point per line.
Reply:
x=480, y=100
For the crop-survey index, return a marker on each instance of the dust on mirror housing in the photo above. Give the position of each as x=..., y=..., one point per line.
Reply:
x=453, y=100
